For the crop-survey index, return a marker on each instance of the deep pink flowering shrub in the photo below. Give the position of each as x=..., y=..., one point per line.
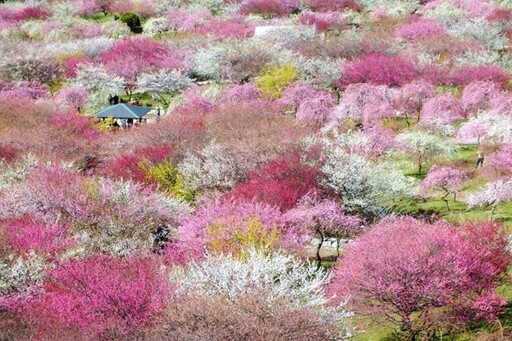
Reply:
x=332, y=5
x=71, y=64
x=420, y=276
x=25, y=235
x=446, y=180
x=324, y=21
x=76, y=124
x=419, y=29
x=129, y=57
x=132, y=166
x=29, y=13
x=8, y=153
x=379, y=69
x=103, y=296
x=270, y=7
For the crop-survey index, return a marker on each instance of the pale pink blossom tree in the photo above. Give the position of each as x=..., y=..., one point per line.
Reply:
x=445, y=180
x=314, y=216
x=478, y=95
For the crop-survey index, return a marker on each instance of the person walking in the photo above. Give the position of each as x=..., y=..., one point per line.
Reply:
x=480, y=159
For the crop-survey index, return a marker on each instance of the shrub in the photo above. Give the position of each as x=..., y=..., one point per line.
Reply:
x=276, y=79
x=270, y=7
x=132, y=20
x=332, y=5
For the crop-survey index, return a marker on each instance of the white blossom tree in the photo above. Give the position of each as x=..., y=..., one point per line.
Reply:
x=163, y=81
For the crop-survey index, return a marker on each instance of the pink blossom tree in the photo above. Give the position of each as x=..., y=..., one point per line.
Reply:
x=498, y=165
x=470, y=131
x=366, y=103
x=443, y=110
x=317, y=110
x=413, y=96
x=74, y=97
x=422, y=277
x=494, y=193
x=293, y=96
x=478, y=96
x=443, y=179
x=313, y=215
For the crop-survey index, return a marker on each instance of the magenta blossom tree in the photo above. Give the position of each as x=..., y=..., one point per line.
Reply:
x=423, y=277
x=102, y=296
x=445, y=180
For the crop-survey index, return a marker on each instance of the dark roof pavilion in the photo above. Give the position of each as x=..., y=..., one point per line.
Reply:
x=124, y=110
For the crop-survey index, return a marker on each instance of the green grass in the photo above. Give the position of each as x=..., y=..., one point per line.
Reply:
x=99, y=17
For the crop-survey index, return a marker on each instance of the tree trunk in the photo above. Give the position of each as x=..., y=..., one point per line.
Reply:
x=318, y=258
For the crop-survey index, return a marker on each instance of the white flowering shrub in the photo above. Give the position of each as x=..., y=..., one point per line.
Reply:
x=17, y=274
x=214, y=167
x=392, y=7
x=91, y=47
x=320, y=71
x=19, y=171
x=163, y=81
x=155, y=26
x=282, y=274
x=480, y=29
x=214, y=6
x=360, y=182
x=446, y=14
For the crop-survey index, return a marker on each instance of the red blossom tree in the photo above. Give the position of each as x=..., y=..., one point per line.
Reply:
x=423, y=277
x=280, y=183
